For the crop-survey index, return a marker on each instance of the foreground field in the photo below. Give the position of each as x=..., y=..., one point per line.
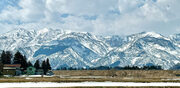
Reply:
x=125, y=75
x=102, y=76
x=122, y=73
x=96, y=78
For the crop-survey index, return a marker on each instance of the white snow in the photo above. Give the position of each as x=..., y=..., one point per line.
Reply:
x=157, y=55
x=124, y=47
x=134, y=60
x=176, y=61
x=67, y=76
x=153, y=34
x=87, y=84
x=95, y=60
x=33, y=76
x=28, y=78
x=156, y=35
x=171, y=79
x=31, y=42
x=43, y=31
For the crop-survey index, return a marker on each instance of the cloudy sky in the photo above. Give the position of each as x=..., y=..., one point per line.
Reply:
x=102, y=17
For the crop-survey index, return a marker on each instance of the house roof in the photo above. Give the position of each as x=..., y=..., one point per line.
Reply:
x=9, y=68
x=12, y=65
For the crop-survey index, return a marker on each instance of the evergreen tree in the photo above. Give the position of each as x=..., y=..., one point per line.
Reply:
x=3, y=57
x=18, y=57
x=48, y=64
x=24, y=63
x=37, y=65
x=6, y=57
x=29, y=63
x=44, y=67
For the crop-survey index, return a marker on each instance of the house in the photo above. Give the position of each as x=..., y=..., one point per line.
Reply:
x=39, y=72
x=12, y=69
x=31, y=70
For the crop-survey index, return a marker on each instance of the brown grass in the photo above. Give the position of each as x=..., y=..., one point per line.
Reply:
x=122, y=73
x=126, y=75
x=108, y=75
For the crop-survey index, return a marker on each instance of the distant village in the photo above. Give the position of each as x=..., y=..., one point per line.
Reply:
x=17, y=64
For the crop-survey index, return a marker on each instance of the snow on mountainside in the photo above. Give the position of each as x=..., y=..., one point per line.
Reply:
x=144, y=49
x=63, y=48
x=81, y=49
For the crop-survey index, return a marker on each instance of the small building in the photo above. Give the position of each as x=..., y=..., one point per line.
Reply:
x=39, y=72
x=12, y=69
x=31, y=70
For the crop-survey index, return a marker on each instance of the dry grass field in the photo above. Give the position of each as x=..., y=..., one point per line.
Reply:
x=123, y=73
x=103, y=75
x=126, y=75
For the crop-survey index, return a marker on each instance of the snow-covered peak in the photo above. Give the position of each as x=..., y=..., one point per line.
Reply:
x=133, y=37
x=42, y=31
x=152, y=34
x=81, y=49
x=17, y=30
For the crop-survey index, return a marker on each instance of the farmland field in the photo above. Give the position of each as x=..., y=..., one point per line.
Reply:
x=101, y=76
x=121, y=76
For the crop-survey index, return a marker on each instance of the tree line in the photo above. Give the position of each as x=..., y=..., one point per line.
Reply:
x=8, y=58
x=153, y=67
x=45, y=65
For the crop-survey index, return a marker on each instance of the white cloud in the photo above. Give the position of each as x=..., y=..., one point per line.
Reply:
x=126, y=6
x=97, y=16
x=32, y=10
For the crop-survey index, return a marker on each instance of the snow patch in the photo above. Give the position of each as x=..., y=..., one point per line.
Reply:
x=89, y=84
x=176, y=61
x=43, y=31
x=134, y=60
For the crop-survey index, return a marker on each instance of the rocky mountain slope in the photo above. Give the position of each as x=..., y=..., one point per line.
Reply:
x=82, y=49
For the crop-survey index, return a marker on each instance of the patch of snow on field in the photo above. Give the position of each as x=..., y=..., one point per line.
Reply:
x=172, y=79
x=86, y=84
x=67, y=76
x=33, y=76
x=28, y=78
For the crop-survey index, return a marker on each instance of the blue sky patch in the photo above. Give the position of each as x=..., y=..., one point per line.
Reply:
x=5, y=3
x=90, y=17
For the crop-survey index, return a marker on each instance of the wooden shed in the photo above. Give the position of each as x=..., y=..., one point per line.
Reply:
x=12, y=69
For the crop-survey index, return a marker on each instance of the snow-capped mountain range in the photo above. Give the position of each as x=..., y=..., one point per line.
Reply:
x=82, y=49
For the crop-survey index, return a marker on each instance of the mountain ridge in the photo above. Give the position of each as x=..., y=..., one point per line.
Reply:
x=83, y=49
